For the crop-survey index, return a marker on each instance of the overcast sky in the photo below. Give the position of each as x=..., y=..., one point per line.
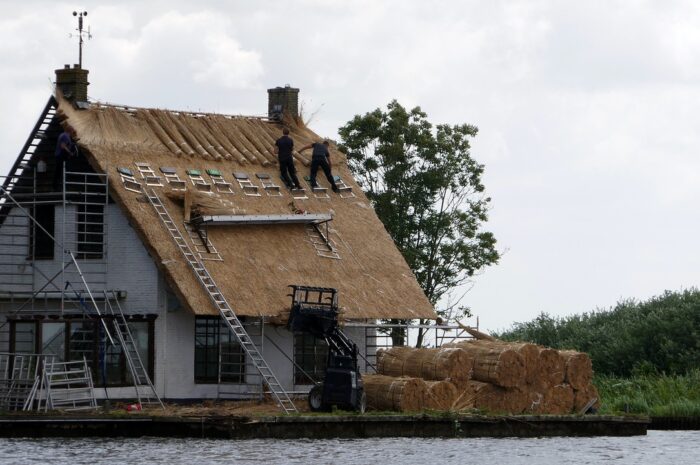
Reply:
x=588, y=112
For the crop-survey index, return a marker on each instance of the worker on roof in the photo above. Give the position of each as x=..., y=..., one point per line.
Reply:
x=65, y=149
x=283, y=149
x=320, y=157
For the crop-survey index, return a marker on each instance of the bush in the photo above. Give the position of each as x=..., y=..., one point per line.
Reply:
x=661, y=335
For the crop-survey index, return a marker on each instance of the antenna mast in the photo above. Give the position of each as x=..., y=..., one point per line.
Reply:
x=81, y=34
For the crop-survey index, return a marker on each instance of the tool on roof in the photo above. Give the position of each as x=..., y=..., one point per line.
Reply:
x=130, y=182
x=221, y=184
x=319, y=192
x=272, y=189
x=173, y=178
x=344, y=190
x=149, y=176
x=246, y=184
x=198, y=181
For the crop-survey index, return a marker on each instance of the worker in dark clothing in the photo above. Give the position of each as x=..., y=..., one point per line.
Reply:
x=65, y=149
x=320, y=157
x=283, y=149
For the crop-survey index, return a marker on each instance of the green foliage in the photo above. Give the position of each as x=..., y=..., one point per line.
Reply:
x=656, y=395
x=661, y=335
x=427, y=190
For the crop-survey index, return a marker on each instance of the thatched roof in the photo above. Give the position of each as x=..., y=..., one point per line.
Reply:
x=259, y=261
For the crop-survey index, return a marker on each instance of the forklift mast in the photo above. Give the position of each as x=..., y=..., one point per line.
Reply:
x=315, y=311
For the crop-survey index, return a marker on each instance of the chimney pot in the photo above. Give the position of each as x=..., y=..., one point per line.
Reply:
x=282, y=100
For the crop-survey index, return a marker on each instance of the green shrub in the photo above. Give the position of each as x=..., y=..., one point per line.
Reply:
x=661, y=335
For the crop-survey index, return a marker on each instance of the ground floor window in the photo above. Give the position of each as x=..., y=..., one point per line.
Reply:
x=75, y=339
x=213, y=341
x=310, y=358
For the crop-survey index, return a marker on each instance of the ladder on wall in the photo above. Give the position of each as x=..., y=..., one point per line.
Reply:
x=145, y=392
x=234, y=324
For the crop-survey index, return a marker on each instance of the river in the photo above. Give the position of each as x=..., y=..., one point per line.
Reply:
x=657, y=448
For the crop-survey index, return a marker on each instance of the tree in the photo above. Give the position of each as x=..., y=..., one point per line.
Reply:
x=427, y=190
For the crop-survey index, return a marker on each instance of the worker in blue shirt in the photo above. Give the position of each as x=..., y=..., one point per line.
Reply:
x=65, y=149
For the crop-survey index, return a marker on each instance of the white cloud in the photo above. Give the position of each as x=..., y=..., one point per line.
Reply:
x=587, y=111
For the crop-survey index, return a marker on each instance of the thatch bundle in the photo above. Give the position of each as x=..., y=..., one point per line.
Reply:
x=550, y=368
x=556, y=400
x=499, y=399
x=578, y=369
x=203, y=203
x=398, y=394
x=432, y=364
x=440, y=395
x=583, y=396
x=495, y=363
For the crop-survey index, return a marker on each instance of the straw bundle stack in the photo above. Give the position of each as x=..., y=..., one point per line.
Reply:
x=432, y=364
x=441, y=395
x=398, y=394
x=578, y=371
x=583, y=396
x=496, y=364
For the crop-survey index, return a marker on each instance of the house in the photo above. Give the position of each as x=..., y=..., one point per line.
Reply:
x=99, y=248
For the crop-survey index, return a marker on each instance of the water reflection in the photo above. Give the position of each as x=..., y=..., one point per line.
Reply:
x=657, y=448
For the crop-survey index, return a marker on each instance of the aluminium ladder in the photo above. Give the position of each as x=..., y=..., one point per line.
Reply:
x=234, y=324
x=137, y=369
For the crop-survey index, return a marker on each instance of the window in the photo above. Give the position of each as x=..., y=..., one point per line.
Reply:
x=211, y=338
x=41, y=244
x=310, y=354
x=90, y=223
x=76, y=339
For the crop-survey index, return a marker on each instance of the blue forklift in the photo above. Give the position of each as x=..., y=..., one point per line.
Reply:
x=315, y=311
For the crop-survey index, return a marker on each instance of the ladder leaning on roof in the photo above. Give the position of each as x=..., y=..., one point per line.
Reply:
x=139, y=375
x=234, y=324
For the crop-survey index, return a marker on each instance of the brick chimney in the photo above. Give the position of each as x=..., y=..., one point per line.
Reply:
x=73, y=82
x=282, y=100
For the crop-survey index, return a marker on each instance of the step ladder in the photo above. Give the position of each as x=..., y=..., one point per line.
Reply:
x=145, y=392
x=220, y=302
x=68, y=386
x=322, y=242
x=202, y=245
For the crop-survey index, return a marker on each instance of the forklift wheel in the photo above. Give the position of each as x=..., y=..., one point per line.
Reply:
x=316, y=398
x=362, y=404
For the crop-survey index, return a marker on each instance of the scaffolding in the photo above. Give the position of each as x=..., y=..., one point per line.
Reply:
x=53, y=264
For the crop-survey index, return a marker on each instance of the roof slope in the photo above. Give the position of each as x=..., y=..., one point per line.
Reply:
x=259, y=261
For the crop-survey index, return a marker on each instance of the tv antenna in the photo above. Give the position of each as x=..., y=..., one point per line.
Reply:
x=81, y=34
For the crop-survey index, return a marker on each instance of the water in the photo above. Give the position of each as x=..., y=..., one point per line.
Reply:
x=657, y=448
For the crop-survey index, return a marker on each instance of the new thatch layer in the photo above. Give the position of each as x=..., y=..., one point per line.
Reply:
x=259, y=261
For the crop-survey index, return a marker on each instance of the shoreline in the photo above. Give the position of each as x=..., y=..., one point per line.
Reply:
x=322, y=426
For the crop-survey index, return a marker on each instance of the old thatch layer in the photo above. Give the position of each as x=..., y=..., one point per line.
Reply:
x=507, y=378
x=259, y=261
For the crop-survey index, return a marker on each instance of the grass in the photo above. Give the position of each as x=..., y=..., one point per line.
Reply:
x=652, y=394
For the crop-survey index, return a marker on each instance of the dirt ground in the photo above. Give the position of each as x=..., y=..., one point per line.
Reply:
x=212, y=408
